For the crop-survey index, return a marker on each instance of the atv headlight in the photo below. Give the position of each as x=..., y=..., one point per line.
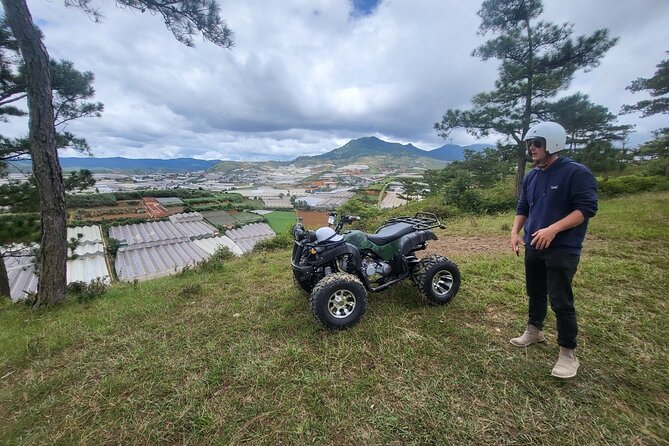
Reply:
x=298, y=232
x=310, y=236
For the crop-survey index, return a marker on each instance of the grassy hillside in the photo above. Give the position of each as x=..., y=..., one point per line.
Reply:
x=229, y=354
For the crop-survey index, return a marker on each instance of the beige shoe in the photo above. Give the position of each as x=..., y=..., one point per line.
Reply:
x=566, y=365
x=531, y=336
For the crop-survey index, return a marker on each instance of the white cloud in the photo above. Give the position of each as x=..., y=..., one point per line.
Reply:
x=306, y=76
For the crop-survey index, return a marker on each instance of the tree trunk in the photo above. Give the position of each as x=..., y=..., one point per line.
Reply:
x=527, y=115
x=520, y=168
x=4, y=279
x=46, y=167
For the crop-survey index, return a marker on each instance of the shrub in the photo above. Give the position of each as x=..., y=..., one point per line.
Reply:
x=162, y=193
x=108, y=223
x=17, y=228
x=136, y=195
x=200, y=200
x=280, y=242
x=86, y=292
x=112, y=246
x=500, y=198
x=611, y=187
x=217, y=260
x=231, y=197
x=658, y=167
x=90, y=200
x=357, y=207
x=191, y=290
x=222, y=254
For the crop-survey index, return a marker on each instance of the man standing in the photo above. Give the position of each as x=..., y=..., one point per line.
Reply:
x=558, y=197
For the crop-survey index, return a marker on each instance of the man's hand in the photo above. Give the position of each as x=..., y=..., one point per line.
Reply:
x=515, y=241
x=542, y=238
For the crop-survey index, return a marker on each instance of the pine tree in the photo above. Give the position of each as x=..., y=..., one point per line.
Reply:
x=184, y=18
x=538, y=60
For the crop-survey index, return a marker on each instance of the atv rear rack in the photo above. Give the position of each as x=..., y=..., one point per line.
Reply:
x=421, y=221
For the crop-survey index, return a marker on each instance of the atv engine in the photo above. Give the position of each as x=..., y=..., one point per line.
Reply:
x=375, y=269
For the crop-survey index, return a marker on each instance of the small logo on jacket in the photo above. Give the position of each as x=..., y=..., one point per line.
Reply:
x=554, y=187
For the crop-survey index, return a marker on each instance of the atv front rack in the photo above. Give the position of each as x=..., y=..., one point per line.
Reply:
x=421, y=221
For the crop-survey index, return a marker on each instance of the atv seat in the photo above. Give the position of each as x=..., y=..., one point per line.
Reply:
x=389, y=233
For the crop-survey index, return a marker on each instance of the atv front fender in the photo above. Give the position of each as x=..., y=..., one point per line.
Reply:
x=306, y=268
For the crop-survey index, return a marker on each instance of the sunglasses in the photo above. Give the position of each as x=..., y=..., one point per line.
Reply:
x=536, y=142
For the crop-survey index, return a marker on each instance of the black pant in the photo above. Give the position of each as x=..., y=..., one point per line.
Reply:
x=549, y=273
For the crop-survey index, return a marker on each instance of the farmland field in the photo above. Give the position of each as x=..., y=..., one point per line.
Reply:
x=281, y=221
x=245, y=217
x=230, y=218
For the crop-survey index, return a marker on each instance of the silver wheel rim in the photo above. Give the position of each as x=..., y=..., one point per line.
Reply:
x=341, y=304
x=442, y=282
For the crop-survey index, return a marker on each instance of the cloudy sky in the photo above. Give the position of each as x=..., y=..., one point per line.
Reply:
x=306, y=76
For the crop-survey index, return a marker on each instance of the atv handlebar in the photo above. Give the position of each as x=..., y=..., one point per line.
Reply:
x=344, y=220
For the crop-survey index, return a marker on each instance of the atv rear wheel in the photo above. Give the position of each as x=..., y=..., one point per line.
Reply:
x=338, y=301
x=438, y=279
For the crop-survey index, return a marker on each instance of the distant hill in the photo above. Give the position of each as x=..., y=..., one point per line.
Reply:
x=370, y=151
x=375, y=153
x=129, y=165
x=374, y=150
x=364, y=147
x=454, y=152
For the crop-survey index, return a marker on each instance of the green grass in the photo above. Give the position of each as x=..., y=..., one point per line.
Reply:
x=229, y=354
x=281, y=221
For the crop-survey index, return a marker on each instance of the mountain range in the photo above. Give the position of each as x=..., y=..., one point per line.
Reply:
x=370, y=150
x=118, y=164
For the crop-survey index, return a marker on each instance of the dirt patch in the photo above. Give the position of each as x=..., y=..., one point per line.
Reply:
x=456, y=245
x=450, y=244
x=313, y=220
x=155, y=209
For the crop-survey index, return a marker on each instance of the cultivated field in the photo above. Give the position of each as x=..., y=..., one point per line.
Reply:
x=281, y=221
x=224, y=219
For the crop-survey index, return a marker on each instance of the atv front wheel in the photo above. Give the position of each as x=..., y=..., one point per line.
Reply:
x=338, y=301
x=438, y=279
x=302, y=284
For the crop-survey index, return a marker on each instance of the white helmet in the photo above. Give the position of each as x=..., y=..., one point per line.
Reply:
x=554, y=134
x=327, y=235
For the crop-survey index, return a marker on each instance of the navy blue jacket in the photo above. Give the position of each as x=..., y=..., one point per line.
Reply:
x=552, y=194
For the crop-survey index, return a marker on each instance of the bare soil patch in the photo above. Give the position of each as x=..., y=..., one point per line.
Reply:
x=313, y=219
x=155, y=209
x=451, y=244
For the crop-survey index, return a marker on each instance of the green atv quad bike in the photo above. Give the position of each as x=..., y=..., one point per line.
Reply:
x=339, y=269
